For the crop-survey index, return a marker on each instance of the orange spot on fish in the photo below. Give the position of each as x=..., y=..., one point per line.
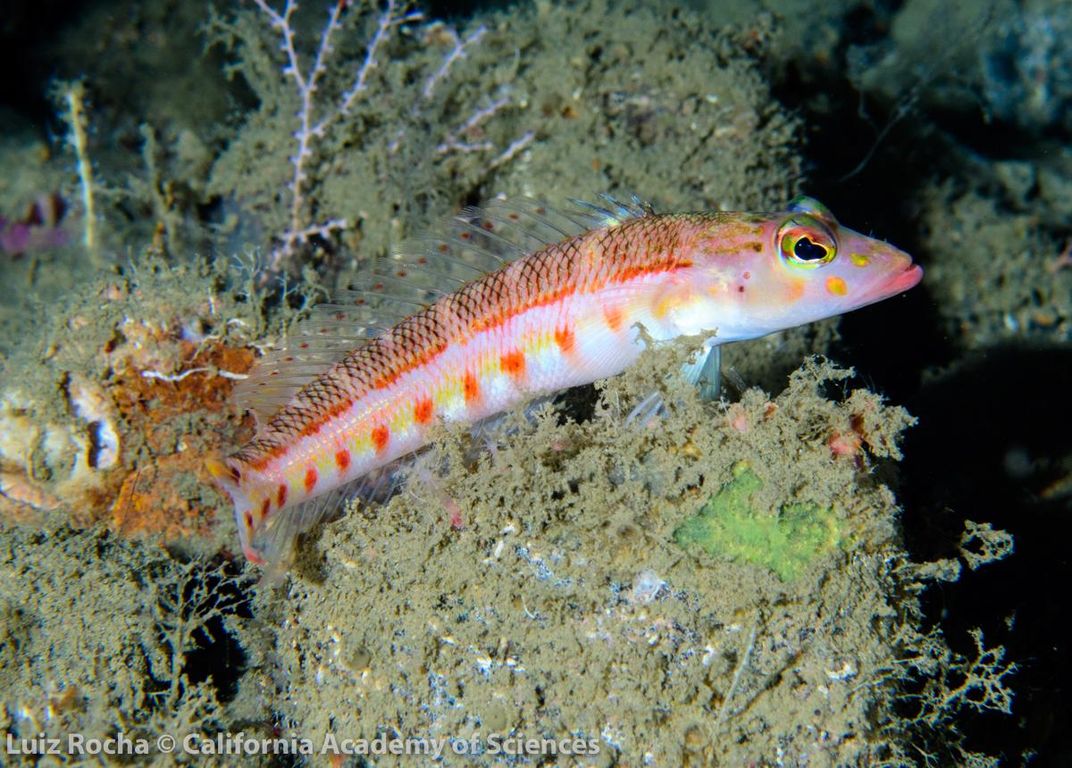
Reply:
x=380, y=436
x=836, y=286
x=342, y=459
x=265, y=506
x=796, y=289
x=422, y=411
x=613, y=316
x=513, y=363
x=471, y=387
x=281, y=495
x=860, y=259
x=310, y=479
x=565, y=339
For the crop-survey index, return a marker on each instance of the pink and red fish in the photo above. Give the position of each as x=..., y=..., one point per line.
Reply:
x=515, y=302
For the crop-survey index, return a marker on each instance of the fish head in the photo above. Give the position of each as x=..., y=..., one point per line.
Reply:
x=799, y=266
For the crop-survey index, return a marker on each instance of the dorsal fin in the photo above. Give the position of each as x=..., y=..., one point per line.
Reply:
x=471, y=244
x=614, y=212
x=312, y=346
x=480, y=240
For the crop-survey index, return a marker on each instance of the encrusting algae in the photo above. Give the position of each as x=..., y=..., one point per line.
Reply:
x=785, y=540
x=561, y=602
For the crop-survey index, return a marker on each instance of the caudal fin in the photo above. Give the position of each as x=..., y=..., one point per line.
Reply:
x=268, y=541
x=226, y=477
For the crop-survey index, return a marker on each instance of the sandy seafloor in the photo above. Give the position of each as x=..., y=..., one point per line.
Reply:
x=856, y=557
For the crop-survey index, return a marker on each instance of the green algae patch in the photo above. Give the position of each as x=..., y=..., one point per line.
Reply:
x=731, y=525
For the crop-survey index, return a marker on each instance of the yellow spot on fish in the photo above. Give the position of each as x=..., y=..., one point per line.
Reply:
x=860, y=259
x=401, y=420
x=836, y=286
x=663, y=306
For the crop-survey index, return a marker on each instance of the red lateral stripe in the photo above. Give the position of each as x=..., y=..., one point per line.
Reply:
x=500, y=315
x=419, y=358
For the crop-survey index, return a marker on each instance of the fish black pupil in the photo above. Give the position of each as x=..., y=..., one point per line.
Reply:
x=805, y=250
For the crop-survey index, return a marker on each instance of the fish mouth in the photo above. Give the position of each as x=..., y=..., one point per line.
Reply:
x=899, y=282
x=902, y=281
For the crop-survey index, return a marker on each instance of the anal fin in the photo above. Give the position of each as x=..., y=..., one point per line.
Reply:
x=273, y=541
x=705, y=372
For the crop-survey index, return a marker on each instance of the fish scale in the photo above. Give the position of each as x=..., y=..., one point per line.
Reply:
x=563, y=313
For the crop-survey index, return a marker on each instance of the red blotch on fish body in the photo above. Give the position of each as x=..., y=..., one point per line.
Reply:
x=422, y=411
x=265, y=506
x=281, y=495
x=513, y=364
x=472, y=388
x=613, y=316
x=342, y=459
x=565, y=339
x=380, y=436
x=310, y=479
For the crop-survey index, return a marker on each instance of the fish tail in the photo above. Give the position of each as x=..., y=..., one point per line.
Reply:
x=225, y=477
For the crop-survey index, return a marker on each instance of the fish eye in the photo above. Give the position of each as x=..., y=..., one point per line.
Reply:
x=806, y=242
x=805, y=250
